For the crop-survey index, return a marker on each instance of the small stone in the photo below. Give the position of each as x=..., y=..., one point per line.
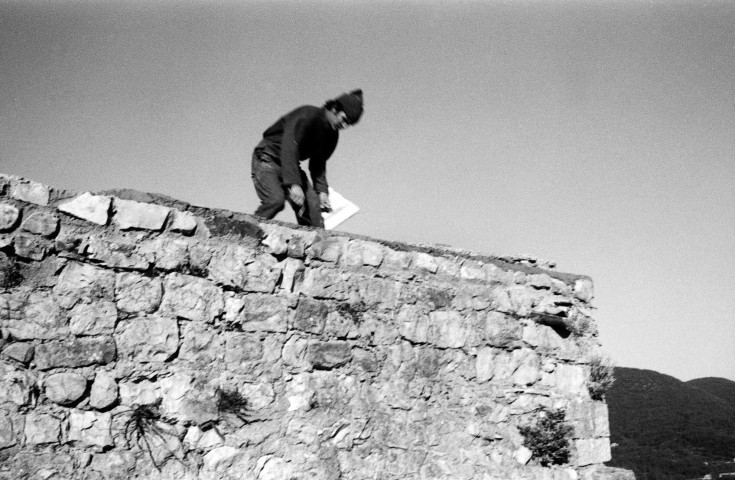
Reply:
x=327, y=355
x=425, y=261
x=592, y=450
x=20, y=352
x=149, y=339
x=293, y=274
x=523, y=455
x=130, y=214
x=9, y=216
x=31, y=247
x=42, y=428
x=137, y=294
x=92, y=208
x=484, y=364
x=31, y=192
x=221, y=458
x=229, y=265
x=65, y=388
x=372, y=254
x=310, y=316
x=7, y=432
x=183, y=222
x=41, y=223
x=81, y=282
x=192, y=298
x=584, y=290
x=104, y=391
x=327, y=249
x=276, y=243
x=297, y=247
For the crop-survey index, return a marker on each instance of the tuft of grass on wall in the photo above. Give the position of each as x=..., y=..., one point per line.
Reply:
x=548, y=437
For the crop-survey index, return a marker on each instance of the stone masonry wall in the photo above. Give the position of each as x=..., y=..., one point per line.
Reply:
x=146, y=338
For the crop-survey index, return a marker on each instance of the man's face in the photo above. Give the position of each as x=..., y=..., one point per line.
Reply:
x=338, y=119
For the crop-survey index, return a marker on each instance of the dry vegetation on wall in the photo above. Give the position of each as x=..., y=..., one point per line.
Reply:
x=143, y=337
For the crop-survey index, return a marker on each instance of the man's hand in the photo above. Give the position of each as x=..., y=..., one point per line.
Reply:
x=296, y=194
x=324, y=203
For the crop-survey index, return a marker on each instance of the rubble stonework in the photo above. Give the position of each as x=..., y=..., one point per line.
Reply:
x=168, y=341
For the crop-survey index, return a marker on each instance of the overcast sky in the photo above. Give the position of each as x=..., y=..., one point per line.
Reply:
x=597, y=135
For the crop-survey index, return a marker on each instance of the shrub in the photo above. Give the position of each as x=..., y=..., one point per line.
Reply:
x=232, y=401
x=548, y=437
x=602, y=376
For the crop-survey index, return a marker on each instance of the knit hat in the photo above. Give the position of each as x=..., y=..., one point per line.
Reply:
x=351, y=104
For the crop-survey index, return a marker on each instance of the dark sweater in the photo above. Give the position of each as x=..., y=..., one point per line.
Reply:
x=300, y=134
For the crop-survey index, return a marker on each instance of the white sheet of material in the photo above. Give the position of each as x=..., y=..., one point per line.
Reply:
x=342, y=209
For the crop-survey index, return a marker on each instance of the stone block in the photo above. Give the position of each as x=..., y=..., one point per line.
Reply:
x=327, y=355
x=424, y=261
x=372, y=253
x=297, y=247
x=20, y=352
x=292, y=274
x=602, y=472
x=92, y=208
x=183, y=222
x=31, y=192
x=590, y=419
x=327, y=249
x=41, y=223
x=263, y=313
x=81, y=282
x=65, y=388
x=484, y=364
x=325, y=283
x=148, y=339
x=130, y=214
x=472, y=270
x=37, y=316
x=221, y=458
x=104, y=391
x=120, y=251
x=242, y=348
x=276, y=243
x=262, y=275
x=588, y=451
x=413, y=324
x=310, y=316
x=584, y=290
x=395, y=260
x=571, y=379
x=75, y=352
x=529, y=367
x=228, y=265
x=117, y=465
x=188, y=400
x=31, y=247
x=7, y=430
x=143, y=392
x=9, y=216
x=42, y=428
x=90, y=428
x=201, y=345
x=259, y=395
x=170, y=253
x=93, y=318
x=137, y=294
x=192, y=298
x=447, y=329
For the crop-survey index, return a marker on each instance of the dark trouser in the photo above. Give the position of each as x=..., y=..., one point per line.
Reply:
x=268, y=181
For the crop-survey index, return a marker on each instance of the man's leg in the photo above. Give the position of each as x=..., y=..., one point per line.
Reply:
x=311, y=213
x=266, y=175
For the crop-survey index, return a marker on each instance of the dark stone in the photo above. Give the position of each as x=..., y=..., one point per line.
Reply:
x=76, y=352
x=310, y=316
x=223, y=224
x=326, y=355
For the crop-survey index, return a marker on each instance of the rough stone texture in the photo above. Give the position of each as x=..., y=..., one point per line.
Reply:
x=130, y=214
x=297, y=353
x=65, y=388
x=31, y=192
x=9, y=215
x=92, y=208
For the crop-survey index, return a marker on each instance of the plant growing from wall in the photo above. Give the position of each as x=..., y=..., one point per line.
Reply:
x=548, y=437
x=232, y=401
x=143, y=425
x=355, y=310
x=602, y=376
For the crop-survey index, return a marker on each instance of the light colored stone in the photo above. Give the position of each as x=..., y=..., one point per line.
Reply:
x=149, y=339
x=183, y=222
x=40, y=317
x=65, y=388
x=591, y=450
x=42, y=428
x=221, y=458
x=9, y=215
x=484, y=364
x=372, y=254
x=263, y=313
x=93, y=318
x=130, y=214
x=31, y=192
x=276, y=243
x=31, y=247
x=229, y=265
x=7, y=430
x=92, y=208
x=192, y=298
x=523, y=455
x=137, y=294
x=571, y=379
x=20, y=352
x=447, y=329
x=104, y=391
x=121, y=251
x=41, y=223
x=584, y=290
x=275, y=468
x=90, y=428
x=425, y=261
x=293, y=274
x=259, y=395
x=143, y=392
x=201, y=344
x=529, y=367
x=81, y=282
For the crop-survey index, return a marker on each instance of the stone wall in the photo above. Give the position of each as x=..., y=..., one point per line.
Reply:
x=143, y=337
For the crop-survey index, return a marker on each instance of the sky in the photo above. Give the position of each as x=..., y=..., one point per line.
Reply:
x=600, y=136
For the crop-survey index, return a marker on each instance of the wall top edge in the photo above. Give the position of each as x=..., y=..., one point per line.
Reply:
x=54, y=196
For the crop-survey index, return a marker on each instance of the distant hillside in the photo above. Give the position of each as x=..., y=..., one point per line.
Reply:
x=665, y=429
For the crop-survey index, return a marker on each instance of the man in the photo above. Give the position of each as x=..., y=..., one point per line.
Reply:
x=306, y=132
